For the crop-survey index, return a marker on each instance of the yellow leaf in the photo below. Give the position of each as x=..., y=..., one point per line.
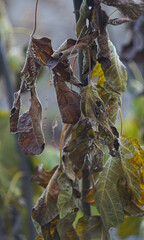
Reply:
x=90, y=197
x=97, y=71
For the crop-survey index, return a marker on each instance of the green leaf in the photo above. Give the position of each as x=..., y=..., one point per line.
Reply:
x=116, y=74
x=107, y=197
x=66, y=201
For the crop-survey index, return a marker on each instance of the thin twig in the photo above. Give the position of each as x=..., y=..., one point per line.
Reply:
x=35, y=22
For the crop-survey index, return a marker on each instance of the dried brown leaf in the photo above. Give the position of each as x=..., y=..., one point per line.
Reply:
x=132, y=8
x=35, y=113
x=46, y=209
x=68, y=102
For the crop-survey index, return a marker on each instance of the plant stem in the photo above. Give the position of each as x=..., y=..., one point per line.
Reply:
x=85, y=178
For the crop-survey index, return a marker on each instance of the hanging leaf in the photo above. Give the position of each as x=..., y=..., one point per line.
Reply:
x=64, y=226
x=64, y=71
x=100, y=22
x=132, y=175
x=46, y=209
x=15, y=112
x=89, y=59
x=91, y=228
x=14, y=117
x=129, y=205
x=132, y=8
x=66, y=201
x=49, y=230
x=132, y=156
x=85, y=13
x=68, y=102
x=71, y=235
x=42, y=50
x=93, y=107
x=35, y=113
x=71, y=46
x=116, y=74
x=107, y=198
x=27, y=138
x=79, y=143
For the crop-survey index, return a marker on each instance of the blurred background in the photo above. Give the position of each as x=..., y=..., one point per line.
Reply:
x=56, y=21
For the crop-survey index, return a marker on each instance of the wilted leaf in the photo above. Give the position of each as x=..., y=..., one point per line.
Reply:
x=49, y=230
x=116, y=74
x=89, y=59
x=64, y=70
x=131, y=8
x=80, y=141
x=71, y=46
x=85, y=13
x=15, y=112
x=100, y=22
x=42, y=176
x=31, y=138
x=133, y=166
x=71, y=235
x=38, y=54
x=27, y=139
x=68, y=101
x=93, y=107
x=97, y=156
x=133, y=179
x=91, y=228
x=129, y=205
x=39, y=238
x=66, y=201
x=107, y=198
x=42, y=49
x=14, y=117
x=46, y=209
x=35, y=113
x=64, y=226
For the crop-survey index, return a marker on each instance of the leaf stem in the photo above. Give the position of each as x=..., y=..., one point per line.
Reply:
x=121, y=132
x=89, y=58
x=61, y=142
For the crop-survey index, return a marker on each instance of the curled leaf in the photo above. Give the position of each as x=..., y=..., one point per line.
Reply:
x=35, y=113
x=46, y=209
x=68, y=101
x=132, y=8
